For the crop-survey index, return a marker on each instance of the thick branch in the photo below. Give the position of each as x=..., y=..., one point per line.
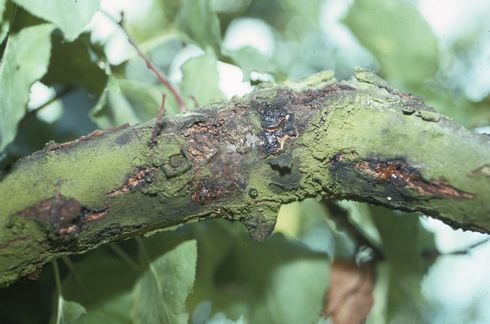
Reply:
x=241, y=160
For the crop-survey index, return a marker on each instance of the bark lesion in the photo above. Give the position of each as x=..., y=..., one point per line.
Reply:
x=142, y=175
x=396, y=173
x=202, y=142
x=62, y=217
x=15, y=241
x=52, y=146
x=401, y=174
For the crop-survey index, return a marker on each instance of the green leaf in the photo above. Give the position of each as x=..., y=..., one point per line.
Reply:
x=249, y=59
x=4, y=21
x=19, y=69
x=74, y=64
x=221, y=318
x=468, y=113
x=200, y=23
x=360, y=215
x=399, y=37
x=201, y=78
x=113, y=109
x=146, y=99
x=310, y=222
x=68, y=15
x=404, y=240
x=155, y=24
x=68, y=312
x=296, y=288
x=170, y=9
x=36, y=296
x=124, y=101
x=2, y=8
x=281, y=13
x=275, y=281
x=161, y=292
x=102, y=283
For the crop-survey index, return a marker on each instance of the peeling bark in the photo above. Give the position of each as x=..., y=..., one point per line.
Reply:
x=241, y=160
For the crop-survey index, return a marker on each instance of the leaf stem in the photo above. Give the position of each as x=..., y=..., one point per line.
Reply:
x=124, y=256
x=434, y=253
x=57, y=279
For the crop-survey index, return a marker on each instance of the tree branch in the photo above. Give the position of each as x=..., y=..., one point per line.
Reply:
x=341, y=218
x=159, y=74
x=241, y=160
x=434, y=253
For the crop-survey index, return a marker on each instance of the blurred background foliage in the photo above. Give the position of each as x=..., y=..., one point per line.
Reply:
x=326, y=262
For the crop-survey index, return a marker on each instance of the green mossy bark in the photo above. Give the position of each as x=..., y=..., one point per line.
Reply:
x=241, y=160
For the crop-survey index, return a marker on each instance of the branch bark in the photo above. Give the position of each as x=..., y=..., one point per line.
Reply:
x=242, y=160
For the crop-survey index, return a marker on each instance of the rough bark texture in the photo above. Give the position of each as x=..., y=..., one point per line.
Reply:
x=241, y=160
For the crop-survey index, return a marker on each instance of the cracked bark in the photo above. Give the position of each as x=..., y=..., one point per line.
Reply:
x=241, y=160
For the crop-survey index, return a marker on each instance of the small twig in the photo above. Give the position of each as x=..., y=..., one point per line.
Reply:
x=124, y=256
x=434, y=253
x=57, y=277
x=156, y=71
x=72, y=268
x=158, y=123
x=468, y=249
x=341, y=218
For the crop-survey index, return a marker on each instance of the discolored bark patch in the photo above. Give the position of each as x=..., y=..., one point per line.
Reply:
x=14, y=241
x=396, y=92
x=59, y=214
x=95, y=215
x=209, y=190
x=62, y=217
x=316, y=98
x=285, y=116
x=222, y=146
x=277, y=121
x=401, y=174
x=176, y=165
x=219, y=149
x=123, y=139
x=202, y=142
x=228, y=171
x=139, y=177
x=484, y=171
x=395, y=175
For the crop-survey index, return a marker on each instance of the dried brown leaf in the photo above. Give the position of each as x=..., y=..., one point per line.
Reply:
x=350, y=296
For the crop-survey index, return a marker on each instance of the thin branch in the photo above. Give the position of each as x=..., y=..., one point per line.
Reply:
x=156, y=71
x=57, y=277
x=124, y=256
x=73, y=272
x=434, y=253
x=468, y=249
x=341, y=218
x=158, y=123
